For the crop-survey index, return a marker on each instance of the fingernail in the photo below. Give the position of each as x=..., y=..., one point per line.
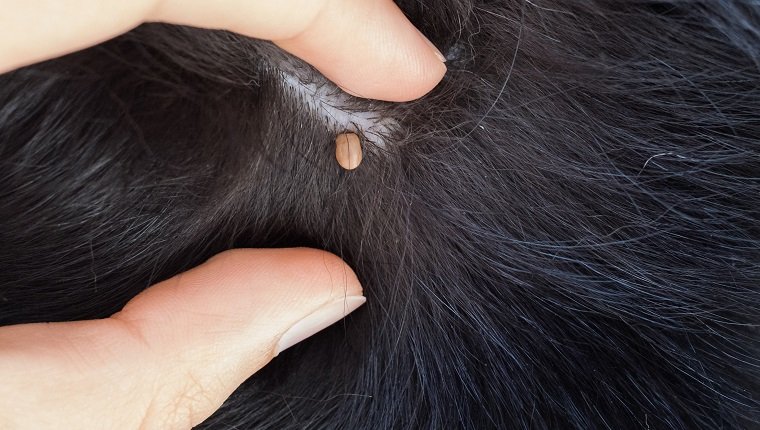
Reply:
x=437, y=53
x=318, y=320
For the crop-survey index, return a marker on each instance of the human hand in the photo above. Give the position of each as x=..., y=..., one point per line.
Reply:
x=176, y=351
x=367, y=47
x=171, y=357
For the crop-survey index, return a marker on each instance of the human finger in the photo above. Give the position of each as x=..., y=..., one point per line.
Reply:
x=367, y=47
x=176, y=351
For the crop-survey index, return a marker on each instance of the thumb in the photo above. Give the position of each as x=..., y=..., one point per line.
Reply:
x=367, y=47
x=175, y=352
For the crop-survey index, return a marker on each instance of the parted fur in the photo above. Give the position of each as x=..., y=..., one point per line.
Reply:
x=565, y=234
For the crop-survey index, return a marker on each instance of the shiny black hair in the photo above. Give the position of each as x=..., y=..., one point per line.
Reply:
x=564, y=234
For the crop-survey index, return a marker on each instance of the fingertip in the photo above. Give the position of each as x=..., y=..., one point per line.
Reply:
x=337, y=274
x=325, y=316
x=371, y=50
x=412, y=84
x=212, y=327
x=313, y=273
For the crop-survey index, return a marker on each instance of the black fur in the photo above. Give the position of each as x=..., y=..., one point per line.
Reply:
x=564, y=234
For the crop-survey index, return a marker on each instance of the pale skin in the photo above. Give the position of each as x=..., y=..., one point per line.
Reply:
x=172, y=356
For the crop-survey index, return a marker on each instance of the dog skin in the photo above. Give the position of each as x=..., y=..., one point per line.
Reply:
x=564, y=234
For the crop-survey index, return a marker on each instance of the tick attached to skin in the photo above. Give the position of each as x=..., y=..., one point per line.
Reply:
x=348, y=150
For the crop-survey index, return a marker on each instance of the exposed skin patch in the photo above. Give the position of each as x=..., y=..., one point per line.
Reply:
x=334, y=105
